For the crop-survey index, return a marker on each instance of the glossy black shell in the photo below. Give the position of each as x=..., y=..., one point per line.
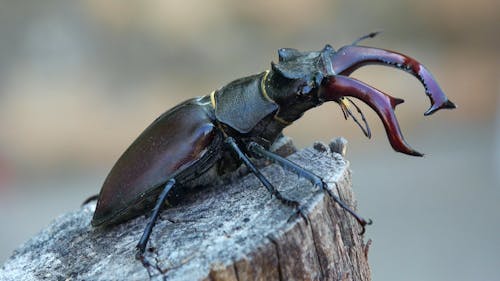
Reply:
x=177, y=144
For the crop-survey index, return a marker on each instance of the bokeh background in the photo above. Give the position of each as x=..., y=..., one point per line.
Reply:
x=79, y=80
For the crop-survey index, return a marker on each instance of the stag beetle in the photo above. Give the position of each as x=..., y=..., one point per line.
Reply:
x=242, y=119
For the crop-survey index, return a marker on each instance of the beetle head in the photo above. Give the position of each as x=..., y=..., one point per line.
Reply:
x=303, y=80
x=298, y=75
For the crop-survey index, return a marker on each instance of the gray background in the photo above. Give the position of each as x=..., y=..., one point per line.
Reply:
x=80, y=80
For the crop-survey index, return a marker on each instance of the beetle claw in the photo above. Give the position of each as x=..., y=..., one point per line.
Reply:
x=349, y=58
x=363, y=224
x=338, y=86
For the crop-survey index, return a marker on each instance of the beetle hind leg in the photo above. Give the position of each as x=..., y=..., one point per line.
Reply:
x=260, y=151
x=141, y=246
x=289, y=202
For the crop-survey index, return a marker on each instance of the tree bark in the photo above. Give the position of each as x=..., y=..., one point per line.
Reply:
x=226, y=232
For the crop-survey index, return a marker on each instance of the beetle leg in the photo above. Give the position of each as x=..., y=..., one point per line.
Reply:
x=90, y=199
x=338, y=86
x=141, y=246
x=260, y=151
x=234, y=146
x=349, y=58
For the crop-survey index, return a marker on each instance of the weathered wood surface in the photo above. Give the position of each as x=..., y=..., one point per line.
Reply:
x=229, y=232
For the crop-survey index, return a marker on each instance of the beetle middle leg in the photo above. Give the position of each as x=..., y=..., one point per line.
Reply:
x=234, y=146
x=260, y=151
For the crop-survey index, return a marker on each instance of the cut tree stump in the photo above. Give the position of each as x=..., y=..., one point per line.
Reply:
x=226, y=232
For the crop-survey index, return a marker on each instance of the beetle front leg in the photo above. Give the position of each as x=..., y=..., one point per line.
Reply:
x=234, y=146
x=260, y=151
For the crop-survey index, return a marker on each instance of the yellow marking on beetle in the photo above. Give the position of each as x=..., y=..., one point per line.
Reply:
x=263, y=87
x=281, y=120
x=344, y=103
x=267, y=97
x=212, y=99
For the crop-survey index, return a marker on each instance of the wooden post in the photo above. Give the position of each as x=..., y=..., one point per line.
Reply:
x=226, y=232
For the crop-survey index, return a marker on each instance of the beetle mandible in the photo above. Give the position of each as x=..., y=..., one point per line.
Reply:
x=242, y=120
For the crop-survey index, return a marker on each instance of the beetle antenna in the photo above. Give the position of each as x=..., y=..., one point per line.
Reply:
x=343, y=106
x=367, y=36
x=347, y=112
x=366, y=128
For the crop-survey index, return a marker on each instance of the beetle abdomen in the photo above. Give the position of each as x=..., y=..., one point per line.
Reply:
x=170, y=147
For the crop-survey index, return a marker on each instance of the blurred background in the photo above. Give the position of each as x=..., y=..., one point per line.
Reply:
x=80, y=80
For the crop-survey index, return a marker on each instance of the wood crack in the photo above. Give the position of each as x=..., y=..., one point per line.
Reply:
x=276, y=247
